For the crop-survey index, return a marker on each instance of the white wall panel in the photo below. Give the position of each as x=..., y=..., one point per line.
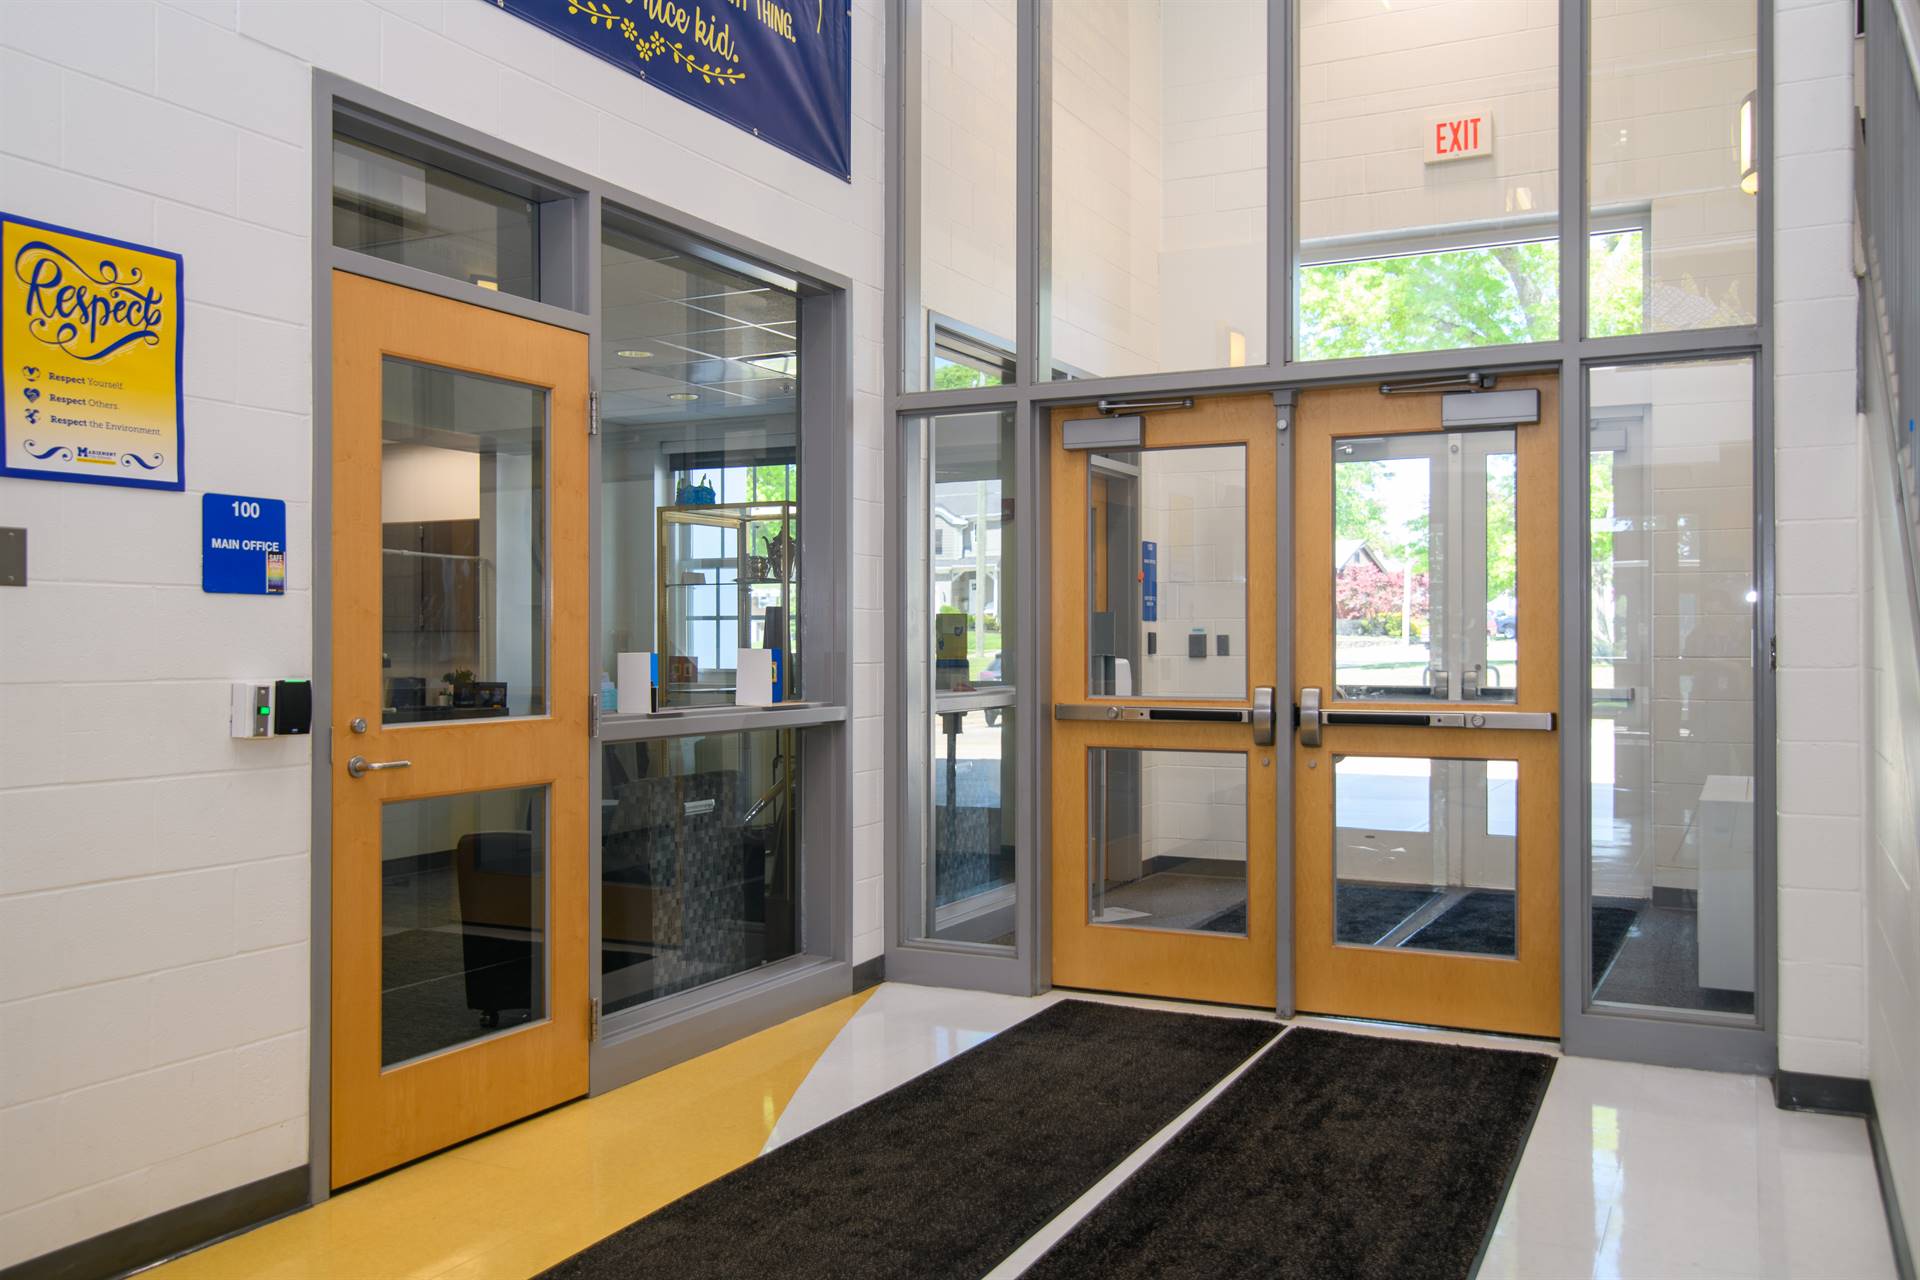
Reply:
x=1890, y=882
x=1821, y=762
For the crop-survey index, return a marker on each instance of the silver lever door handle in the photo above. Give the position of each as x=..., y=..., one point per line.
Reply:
x=1309, y=717
x=359, y=768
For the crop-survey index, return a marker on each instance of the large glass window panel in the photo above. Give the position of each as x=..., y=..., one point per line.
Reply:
x=463, y=919
x=1673, y=154
x=700, y=861
x=971, y=550
x=967, y=221
x=1159, y=198
x=1168, y=842
x=970, y=884
x=1427, y=175
x=463, y=515
x=1425, y=853
x=699, y=473
x=420, y=215
x=963, y=889
x=1167, y=563
x=1425, y=557
x=1671, y=676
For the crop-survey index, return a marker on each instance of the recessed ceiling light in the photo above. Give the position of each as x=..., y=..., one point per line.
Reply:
x=633, y=354
x=683, y=395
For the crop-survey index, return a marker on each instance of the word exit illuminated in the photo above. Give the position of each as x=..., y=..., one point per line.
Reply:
x=1458, y=137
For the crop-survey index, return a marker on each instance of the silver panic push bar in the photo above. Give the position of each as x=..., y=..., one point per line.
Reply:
x=1313, y=717
x=1537, y=720
x=1117, y=711
x=1259, y=715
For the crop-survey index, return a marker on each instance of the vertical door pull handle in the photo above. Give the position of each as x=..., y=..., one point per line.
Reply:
x=1263, y=716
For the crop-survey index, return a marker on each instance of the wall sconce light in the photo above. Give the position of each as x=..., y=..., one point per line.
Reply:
x=1749, y=160
x=1236, y=349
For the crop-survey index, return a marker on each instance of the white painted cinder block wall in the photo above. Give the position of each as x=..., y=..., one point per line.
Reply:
x=1892, y=878
x=153, y=872
x=1817, y=496
x=1892, y=882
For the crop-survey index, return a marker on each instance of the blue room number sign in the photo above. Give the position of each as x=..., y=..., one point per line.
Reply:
x=243, y=545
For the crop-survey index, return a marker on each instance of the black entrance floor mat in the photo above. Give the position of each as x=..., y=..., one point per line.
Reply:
x=1481, y=923
x=1366, y=913
x=1362, y=913
x=1333, y=1156
x=947, y=1174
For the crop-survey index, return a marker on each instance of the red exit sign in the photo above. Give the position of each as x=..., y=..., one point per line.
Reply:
x=1459, y=137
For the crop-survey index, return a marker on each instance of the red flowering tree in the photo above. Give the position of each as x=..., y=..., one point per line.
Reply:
x=1369, y=599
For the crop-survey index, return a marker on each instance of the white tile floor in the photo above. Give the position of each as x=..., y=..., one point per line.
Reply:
x=1649, y=1171
x=1631, y=1171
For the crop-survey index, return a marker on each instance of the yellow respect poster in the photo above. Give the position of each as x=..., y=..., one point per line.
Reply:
x=90, y=349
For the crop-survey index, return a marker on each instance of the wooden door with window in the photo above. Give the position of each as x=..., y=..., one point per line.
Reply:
x=458, y=742
x=1426, y=654
x=1163, y=641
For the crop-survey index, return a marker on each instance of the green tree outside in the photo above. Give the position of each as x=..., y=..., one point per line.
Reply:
x=1461, y=299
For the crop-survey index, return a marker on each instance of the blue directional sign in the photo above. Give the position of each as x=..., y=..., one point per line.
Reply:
x=1149, y=581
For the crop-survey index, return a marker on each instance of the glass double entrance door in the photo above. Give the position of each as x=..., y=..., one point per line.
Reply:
x=1423, y=778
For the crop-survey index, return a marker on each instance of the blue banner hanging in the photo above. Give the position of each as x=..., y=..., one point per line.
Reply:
x=780, y=69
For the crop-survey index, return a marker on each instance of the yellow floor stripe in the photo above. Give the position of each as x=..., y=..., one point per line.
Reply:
x=515, y=1202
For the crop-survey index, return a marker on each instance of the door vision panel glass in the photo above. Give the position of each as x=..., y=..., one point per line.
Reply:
x=1426, y=829
x=1168, y=840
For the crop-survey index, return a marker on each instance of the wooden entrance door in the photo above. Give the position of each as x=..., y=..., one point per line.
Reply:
x=1426, y=780
x=459, y=735
x=1164, y=779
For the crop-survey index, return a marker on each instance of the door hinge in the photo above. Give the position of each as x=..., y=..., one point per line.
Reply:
x=593, y=413
x=593, y=1020
x=1773, y=653
x=593, y=715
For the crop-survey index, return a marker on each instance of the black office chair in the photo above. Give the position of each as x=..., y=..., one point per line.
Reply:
x=502, y=902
